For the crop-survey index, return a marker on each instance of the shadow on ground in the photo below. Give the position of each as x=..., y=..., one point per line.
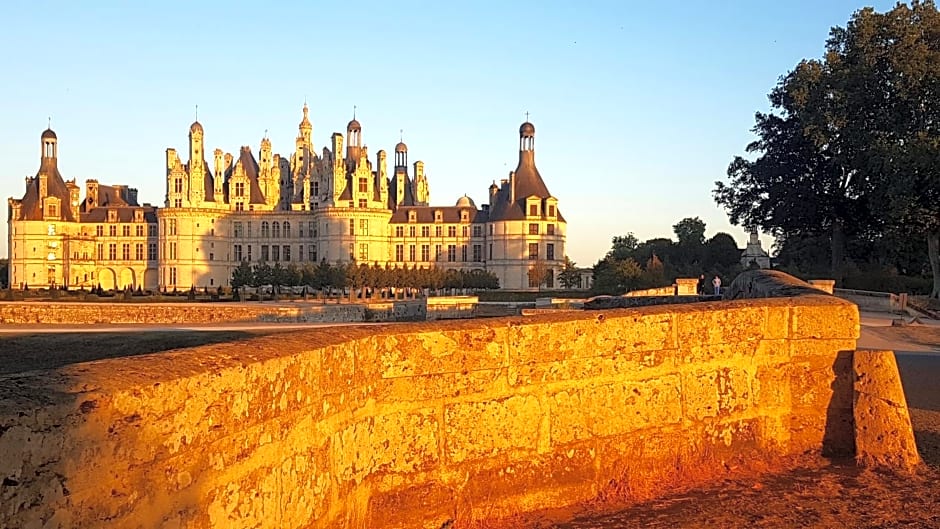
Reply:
x=28, y=352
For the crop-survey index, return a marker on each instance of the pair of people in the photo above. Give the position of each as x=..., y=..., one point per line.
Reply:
x=716, y=285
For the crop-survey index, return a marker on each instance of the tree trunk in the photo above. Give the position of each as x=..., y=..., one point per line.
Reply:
x=838, y=251
x=933, y=253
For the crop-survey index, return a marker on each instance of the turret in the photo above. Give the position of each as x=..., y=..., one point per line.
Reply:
x=219, y=175
x=196, y=164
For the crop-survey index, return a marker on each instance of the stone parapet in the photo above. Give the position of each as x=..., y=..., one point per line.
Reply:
x=415, y=424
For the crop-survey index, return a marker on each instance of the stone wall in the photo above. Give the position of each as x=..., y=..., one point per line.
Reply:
x=416, y=424
x=190, y=313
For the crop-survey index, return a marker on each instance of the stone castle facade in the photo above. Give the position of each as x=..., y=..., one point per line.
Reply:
x=335, y=206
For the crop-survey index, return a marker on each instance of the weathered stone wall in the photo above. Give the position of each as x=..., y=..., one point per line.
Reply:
x=187, y=313
x=415, y=424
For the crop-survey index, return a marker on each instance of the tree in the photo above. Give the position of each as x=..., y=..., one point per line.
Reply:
x=538, y=273
x=570, y=277
x=622, y=246
x=722, y=254
x=242, y=275
x=690, y=231
x=858, y=128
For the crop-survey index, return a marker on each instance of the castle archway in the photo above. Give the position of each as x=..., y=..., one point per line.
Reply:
x=106, y=278
x=127, y=279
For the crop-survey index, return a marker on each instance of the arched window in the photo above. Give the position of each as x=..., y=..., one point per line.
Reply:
x=276, y=231
x=286, y=230
x=265, y=229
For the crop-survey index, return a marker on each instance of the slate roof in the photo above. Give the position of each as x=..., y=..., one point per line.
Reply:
x=425, y=214
x=31, y=205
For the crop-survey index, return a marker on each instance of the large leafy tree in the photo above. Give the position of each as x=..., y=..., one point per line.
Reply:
x=852, y=146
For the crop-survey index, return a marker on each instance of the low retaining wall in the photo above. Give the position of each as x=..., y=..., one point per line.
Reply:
x=876, y=301
x=417, y=424
x=192, y=313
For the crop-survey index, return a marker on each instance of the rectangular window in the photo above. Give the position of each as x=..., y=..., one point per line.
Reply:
x=172, y=250
x=275, y=253
x=178, y=203
x=286, y=251
x=152, y=251
x=300, y=228
x=249, y=252
x=363, y=226
x=437, y=252
x=451, y=253
x=477, y=253
x=464, y=231
x=550, y=229
x=172, y=275
x=425, y=252
x=399, y=252
x=352, y=226
x=363, y=203
x=491, y=252
x=478, y=231
x=239, y=230
x=99, y=231
x=312, y=253
x=352, y=252
x=533, y=210
x=211, y=256
x=363, y=185
x=264, y=253
x=463, y=252
x=533, y=228
x=452, y=231
x=100, y=252
x=315, y=189
x=172, y=226
x=491, y=229
x=151, y=230
x=411, y=252
x=438, y=231
x=411, y=231
x=533, y=251
x=126, y=230
x=363, y=252
x=551, y=211
x=550, y=252
x=139, y=251
x=112, y=231
x=237, y=252
x=112, y=251
x=177, y=185
x=399, y=231
x=425, y=231
x=312, y=229
x=239, y=189
x=139, y=230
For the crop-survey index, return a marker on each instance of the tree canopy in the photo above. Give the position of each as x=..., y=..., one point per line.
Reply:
x=849, y=151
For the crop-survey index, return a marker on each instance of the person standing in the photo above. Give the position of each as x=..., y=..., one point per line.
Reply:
x=717, y=284
x=701, y=285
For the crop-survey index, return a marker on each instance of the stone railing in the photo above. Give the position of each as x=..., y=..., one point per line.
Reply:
x=414, y=425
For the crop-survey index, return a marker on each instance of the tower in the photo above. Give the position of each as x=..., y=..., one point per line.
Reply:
x=353, y=143
x=197, y=165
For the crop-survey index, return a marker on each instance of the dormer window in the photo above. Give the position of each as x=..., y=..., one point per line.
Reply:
x=138, y=215
x=412, y=216
x=438, y=216
x=533, y=210
x=464, y=216
x=52, y=210
x=551, y=211
x=112, y=215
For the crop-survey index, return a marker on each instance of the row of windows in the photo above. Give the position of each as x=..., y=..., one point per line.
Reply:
x=273, y=252
x=126, y=230
x=438, y=252
x=273, y=230
x=112, y=254
x=534, y=251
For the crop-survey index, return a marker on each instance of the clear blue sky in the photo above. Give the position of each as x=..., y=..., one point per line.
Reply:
x=638, y=106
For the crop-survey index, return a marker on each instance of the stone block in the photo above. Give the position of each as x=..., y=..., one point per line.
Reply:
x=884, y=436
x=614, y=409
x=426, y=506
x=474, y=430
x=727, y=323
x=399, y=442
x=607, y=334
x=441, y=351
x=633, y=365
x=720, y=392
x=824, y=317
